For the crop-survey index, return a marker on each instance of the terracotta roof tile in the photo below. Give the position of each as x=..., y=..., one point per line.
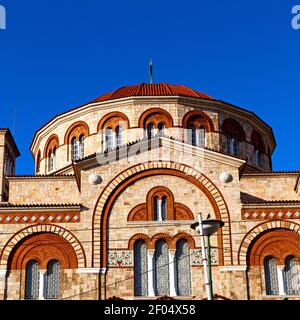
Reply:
x=159, y=89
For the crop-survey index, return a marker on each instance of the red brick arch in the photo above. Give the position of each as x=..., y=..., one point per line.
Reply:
x=76, y=130
x=161, y=236
x=156, y=115
x=258, y=230
x=200, y=117
x=51, y=144
x=37, y=229
x=112, y=120
x=124, y=179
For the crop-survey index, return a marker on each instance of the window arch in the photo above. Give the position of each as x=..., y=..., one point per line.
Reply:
x=161, y=261
x=183, y=272
x=160, y=206
x=74, y=138
x=234, y=134
x=155, y=120
x=32, y=280
x=112, y=127
x=53, y=280
x=271, y=275
x=50, y=152
x=140, y=268
x=198, y=124
x=291, y=276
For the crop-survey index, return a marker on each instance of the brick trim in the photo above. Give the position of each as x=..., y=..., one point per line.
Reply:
x=127, y=177
x=257, y=230
x=32, y=230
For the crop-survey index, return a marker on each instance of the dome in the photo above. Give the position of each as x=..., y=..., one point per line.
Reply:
x=157, y=89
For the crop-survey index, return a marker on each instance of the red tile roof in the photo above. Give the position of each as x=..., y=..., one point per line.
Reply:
x=146, y=89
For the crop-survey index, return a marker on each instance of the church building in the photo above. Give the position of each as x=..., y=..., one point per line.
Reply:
x=118, y=182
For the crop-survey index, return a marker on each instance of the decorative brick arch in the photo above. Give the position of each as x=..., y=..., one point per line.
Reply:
x=137, y=172
x=172, y=242
x=112, y=120
x=51, y=144
x=37, y=229
x=232, y=126
x=76, y=130
x=200, y=117
x=259, y=229
x=156, y=115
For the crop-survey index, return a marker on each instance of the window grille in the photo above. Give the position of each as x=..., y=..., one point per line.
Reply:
x=162, y=268
x=32, y=280
x=271, y=276
x=140, y=268
x=183, y=272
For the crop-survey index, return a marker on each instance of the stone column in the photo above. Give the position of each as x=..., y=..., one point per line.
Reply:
x=43, y=284
x=151, y=273
x=172, y=273
x=280, y=280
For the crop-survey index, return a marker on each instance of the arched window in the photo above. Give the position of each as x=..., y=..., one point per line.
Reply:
x=109, y=138
x=271, y=275
x=183, y=272
x=119, y=131
x=81, y=146
x=75, y=149
x=32, y=280
x=150, y=130
x=53, y=280
x=235, y=134
x=197, y=135
x=290, y=276
x=140, y=268
x=161, y=268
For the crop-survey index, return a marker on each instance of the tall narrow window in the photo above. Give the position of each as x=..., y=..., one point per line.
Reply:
x=75, y=149
x=109, y=138
x=53, y=280
x=162, y=268
x=257, y=158
x=183, y=272
x=201, y=137
x=271, y=276
x=32, y=280
x=150, y=130
x=50, y=162
x=232, y=145
x=164, y=208
x=81, y=147
x=161, y=129
x=119, y=130
x=192, y=134
x=140, y=268
x=290, y=276
x=156, y=208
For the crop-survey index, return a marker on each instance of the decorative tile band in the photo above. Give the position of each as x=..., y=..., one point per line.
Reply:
x=196, y=257
x=45, y=217
x=120, y=259
x=268, y=214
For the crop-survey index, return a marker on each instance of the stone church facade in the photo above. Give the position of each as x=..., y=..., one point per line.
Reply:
x=118, y=183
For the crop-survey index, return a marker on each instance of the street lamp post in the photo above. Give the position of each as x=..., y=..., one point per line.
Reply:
x=207, y=228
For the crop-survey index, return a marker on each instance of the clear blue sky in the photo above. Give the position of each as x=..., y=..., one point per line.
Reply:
x=56, y=55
